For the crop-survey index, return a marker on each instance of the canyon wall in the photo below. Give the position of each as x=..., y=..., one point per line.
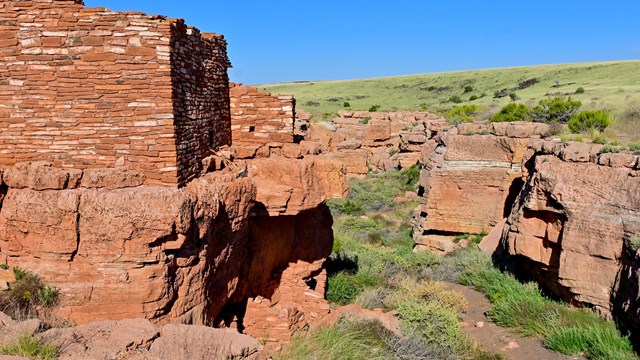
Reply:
x=196, y=255
x=566, y=215
x=572, y=226
x=469, y=181
x=94, y=88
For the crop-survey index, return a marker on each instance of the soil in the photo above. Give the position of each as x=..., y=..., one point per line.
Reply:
x=496, y=339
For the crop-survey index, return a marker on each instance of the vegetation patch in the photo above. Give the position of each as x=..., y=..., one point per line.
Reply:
x=27, y=296
x=563, y=329
x=587, y=120
x=513, y=112
x=31, y=347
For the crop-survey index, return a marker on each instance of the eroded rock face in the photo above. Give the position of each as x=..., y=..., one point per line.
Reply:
x=572, y=224
x=468, y=181
x=179, y=255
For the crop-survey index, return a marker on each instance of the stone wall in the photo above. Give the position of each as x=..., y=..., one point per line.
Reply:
x=92, y=88
x=258, y=117
x=200, y=80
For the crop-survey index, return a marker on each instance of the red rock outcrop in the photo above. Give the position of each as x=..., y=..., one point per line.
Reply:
x=573, y=223
x=364, y=141
x=175, y=255
x=136, y=339
x=468, y=181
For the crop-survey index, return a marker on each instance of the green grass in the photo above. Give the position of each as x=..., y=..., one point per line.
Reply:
x=567, y=330
x=611, y=86
x=30, y=347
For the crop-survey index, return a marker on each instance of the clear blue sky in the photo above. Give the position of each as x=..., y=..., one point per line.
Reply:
x=287, y=40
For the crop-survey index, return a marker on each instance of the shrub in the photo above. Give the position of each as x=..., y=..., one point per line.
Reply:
x=455, y=99
x=580, y=90
x=424, y=107
x=463, y=113
x=312, y=103
x=610, y=149
x=634, y=147
x=31, y=347
x=500, y=93
x=365, y=120
x=343, y=288
x=346, y=206
x=589, y=120
x=514, y=96
x=512, y=112
x=557, y=109
x=527, y=83
x=346, y=104
x=374, y=108
x=473, y=97
x=468, y=89
x=4, y=267
x=26, y=295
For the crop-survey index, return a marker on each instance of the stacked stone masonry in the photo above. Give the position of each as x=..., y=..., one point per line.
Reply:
x=258, y=117
x=92, y=88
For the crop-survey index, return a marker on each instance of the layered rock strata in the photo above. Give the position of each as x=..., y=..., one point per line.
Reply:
x=469, y=181
x=196, y=255
x=573, y=224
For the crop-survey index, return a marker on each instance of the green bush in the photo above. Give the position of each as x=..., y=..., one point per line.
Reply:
x=365, y=120
x=343, y=288
x=27, y=295
x=346, y=104
x=580, y=90
x=500, y=93
x=463, y=113
x=610, y=149
x=346, y=207
x=4, y=267
x=473, y=97
x=512, y=112
x=514, y=96
x=374, y=108
x=557, y=109
x=589, y=120
x=468, y=89
x=455, y=99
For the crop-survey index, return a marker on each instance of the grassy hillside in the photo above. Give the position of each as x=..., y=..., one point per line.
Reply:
x=609, y=85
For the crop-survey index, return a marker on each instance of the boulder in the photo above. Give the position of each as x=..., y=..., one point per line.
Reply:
x=11, y=330
x=203, y=343
x=103, y=340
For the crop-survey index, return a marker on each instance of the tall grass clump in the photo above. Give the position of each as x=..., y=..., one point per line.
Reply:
x=567, y=330
x=31, y=347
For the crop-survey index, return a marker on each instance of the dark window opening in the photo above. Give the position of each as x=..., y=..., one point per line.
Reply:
x=252, y=128
x=311, y=283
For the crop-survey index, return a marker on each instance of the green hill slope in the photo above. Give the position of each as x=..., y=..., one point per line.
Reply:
x=610, y=85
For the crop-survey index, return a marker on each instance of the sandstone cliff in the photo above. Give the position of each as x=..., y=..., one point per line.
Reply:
x=572, y=226
x=468, y=181
x=196, y=255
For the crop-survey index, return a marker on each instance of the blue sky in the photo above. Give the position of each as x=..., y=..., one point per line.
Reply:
x=286, y=40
